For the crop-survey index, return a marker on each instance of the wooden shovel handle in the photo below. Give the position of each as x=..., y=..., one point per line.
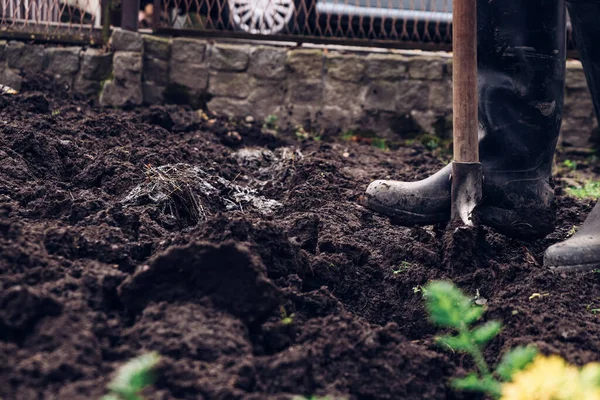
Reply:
x=464, y=78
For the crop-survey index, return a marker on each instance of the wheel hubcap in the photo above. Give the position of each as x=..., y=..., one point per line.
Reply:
x=261, y=16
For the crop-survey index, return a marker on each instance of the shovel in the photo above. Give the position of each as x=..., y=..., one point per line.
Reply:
x=461, y=236
x=466, y=169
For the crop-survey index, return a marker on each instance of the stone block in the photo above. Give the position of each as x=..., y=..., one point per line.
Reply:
x=153, y=93
x=127, y=66
x=577, y=132
x=337, y=117
x=344, y=94
x=412, y=95
x=229, y=57
x=156, y=47
x=266, y=98
x=296, y=114
x=578, y=104
x=96, y=65
x=426, y=67
x=123, y=40
x=426, y=120
x=575, y=76
x=440, y=96
x=381, y=96
x=230, y=84
x=119, y=94
x=305, y=63
x=229, y=107
x=63, y=62
x=11, y=78
x=28, y=58
x=390, y=67
x=268, y=63
x=91, y=88
x=347, y=68
x=192, y=76
x=3, y=44
x=156, y=70
x=305, y=91
x=187, y=51
x=12, y=52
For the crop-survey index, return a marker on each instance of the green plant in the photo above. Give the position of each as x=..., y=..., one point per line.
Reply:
x=403, y=267
x=348, y=135
x=132, y=378
x=449, y=307
x=432, y=144
x=55, y=112
x=569, y=164
x=286, y=319
x=271, y=122
x=379, y=143
x=420, y=289
x=588, y=190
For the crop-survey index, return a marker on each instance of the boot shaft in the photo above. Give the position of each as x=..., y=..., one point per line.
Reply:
x=585, y=18
x=522, y=63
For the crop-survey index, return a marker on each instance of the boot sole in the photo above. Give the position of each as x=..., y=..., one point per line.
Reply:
x=577, y=267
x=405, y=217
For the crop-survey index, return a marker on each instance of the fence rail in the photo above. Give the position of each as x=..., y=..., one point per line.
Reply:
x=418, y=24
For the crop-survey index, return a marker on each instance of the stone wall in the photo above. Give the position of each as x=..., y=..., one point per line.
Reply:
x=393, y=93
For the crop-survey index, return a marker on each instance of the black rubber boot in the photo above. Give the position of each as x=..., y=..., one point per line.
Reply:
x=582, y=251
x=521, y=62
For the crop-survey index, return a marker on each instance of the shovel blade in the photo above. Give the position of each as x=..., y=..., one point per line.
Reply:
x=467, y=180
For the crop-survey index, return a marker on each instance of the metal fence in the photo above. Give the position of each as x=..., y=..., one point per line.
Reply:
x=423, y=23
x=419, y=24
x=77, y=20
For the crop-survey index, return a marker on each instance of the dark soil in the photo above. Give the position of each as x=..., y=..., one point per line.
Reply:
x=164, y=229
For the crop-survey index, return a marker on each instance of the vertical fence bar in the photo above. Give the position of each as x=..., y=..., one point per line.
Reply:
x=129, y=15
x=105, y=6
x=156, y=14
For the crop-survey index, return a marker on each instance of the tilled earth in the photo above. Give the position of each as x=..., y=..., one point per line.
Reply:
x=242, y=256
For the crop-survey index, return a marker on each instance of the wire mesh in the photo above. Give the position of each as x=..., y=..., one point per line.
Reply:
x=419, y=23
x=50, y=16
x=422, y=23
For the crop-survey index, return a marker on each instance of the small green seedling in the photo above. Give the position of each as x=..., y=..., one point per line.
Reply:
x=569, y=164
x=588, y=190
x=448, y=307
x=285, y=318
x=132, y=378
x=572, y=231
x=403, y=267
x=271, y=122
x=420, y=289
x=592, y=310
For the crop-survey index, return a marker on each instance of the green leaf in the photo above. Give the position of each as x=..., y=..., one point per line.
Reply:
x=515, y=360
x=134, y=376
x=447, y=305
x=473, y=314
x=486, y=332
x=460, y=342
x=473, y=383
x=110, y=397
